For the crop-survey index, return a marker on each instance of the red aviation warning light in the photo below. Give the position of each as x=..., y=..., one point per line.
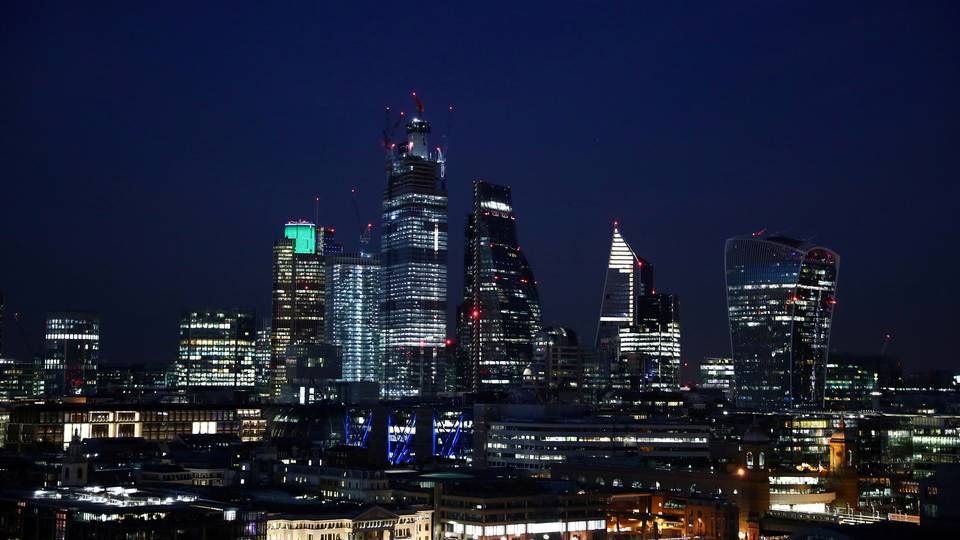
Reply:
x=475, y=314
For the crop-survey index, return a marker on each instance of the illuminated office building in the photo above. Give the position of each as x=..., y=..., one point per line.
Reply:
x=562, y=365
x=717, y=374
x=216, y=349
x=71, y=353
x=298, y=295
x=312, y=370
x=353, y=321
x=327, y=241
x=500, y=314
x=20, y=379
x=261, y=356
x=413, y=258
x=658, y=329
x=853, y=382
x=781, y=294
x=628, y=278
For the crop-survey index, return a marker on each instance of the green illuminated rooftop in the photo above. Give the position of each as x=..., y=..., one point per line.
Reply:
x=304, y=236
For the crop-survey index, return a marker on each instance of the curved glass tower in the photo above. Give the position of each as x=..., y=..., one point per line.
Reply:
x=500, y=315
x=413, y=257
x=781, y=294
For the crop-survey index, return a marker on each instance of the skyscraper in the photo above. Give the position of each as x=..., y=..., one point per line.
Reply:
x=262, y=355
x=71, y=353
x=413, y=244
x=627, y=278
x=562, y=366
x=781, y=294
x=658, y=340
x=298, y=295
x=500, y=315
x=216, y=349
x=353, y=319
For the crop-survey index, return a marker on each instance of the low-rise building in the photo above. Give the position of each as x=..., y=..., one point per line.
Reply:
x=372, y=523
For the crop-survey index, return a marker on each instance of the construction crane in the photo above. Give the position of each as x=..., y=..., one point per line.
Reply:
x=365, y=230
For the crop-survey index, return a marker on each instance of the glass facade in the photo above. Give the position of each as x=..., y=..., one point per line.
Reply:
x=560, y=364
x=717, y=374
x=852, y=382
x=353, y=318
x=20, y=379
x=413, y=257
x=217, y=348
x=500, y=315
x=261, y=355
x=624, y=344
x=780, y=301
x=298, y=296
x=658, y=329
x=71, y=354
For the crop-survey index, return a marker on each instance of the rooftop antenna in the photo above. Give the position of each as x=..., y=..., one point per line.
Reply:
x=887, y=338
x=364, y=230
x=316, y=211
x=444, y=152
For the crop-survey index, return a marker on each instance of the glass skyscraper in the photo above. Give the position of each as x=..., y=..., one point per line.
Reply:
x=500, y=315
x=717, y=374
x=781, y=295
x=217, y=348
x=353, y=314
x=298, y=295
x=658, y=340
x=71, y=353
x=628, y=278
x=413, y=257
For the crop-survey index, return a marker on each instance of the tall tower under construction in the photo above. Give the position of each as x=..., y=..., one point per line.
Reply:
x=413, y=256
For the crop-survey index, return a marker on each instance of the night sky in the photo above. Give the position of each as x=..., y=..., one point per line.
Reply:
x=149, y=155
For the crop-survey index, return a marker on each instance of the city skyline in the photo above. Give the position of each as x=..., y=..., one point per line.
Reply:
x=845, y=177
x=519, y=271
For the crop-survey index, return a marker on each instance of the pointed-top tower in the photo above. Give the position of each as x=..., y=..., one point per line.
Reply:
x=628, y=277
x=413, y=256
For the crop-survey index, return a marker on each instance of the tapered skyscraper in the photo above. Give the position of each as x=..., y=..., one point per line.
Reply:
x=500, y=315
x=413, y=287
x=628, y=276
x=780, y=298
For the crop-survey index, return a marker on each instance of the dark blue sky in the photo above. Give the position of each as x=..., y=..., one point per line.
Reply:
x=150, y=154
